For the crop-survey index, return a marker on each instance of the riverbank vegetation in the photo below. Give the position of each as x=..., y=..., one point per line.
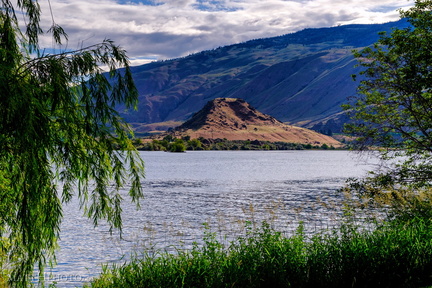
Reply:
x=172, y=144
x=397, y=252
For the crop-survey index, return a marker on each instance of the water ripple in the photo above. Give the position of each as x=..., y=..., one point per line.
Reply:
x=225, y=189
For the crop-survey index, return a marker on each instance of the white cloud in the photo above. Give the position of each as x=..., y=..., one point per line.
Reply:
x=174, y=28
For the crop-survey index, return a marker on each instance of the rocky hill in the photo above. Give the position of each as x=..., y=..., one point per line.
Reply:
x=300, y=78
x=235, y=119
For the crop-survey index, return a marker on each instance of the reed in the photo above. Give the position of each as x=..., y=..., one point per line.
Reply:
x=395, y=254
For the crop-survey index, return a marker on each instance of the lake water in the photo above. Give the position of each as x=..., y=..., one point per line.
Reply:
x=222, y=188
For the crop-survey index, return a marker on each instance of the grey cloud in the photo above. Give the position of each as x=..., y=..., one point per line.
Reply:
x=204, y=28
x=327, y=19
x=175, y=28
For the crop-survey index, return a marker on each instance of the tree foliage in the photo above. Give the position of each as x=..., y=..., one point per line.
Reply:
x=394, y=107
x=60, y=135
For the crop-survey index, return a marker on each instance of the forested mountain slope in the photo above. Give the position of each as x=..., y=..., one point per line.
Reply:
x=300, y=78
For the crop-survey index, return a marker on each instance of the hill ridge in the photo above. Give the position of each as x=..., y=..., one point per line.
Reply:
x=235, y=119
x=300, y=78
x=243, y=111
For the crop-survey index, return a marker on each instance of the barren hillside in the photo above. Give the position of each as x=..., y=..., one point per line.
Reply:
x=235, y=119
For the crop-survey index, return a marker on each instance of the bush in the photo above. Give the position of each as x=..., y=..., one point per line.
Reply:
x=177, y=146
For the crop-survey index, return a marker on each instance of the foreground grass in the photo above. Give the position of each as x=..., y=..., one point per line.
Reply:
x=397, y=254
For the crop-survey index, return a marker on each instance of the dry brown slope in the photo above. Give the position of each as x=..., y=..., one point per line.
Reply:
x=235, y=119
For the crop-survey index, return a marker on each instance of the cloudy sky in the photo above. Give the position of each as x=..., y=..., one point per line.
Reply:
x=164, y=29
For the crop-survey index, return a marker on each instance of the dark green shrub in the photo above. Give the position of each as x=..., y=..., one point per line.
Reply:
x=177, y=146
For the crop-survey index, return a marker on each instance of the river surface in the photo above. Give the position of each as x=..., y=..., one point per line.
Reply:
x=226, y=189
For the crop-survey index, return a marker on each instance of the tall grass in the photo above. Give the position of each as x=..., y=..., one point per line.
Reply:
x=395, y=254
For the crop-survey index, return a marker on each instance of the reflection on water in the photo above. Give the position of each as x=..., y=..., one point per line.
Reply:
x=224, y=189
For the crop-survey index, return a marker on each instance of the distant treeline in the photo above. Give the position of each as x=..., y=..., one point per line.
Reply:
x=169, y=143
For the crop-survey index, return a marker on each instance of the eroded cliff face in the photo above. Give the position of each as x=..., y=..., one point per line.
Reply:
x=235, y=119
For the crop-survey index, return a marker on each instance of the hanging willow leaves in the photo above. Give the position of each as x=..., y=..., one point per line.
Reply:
x=60, y=136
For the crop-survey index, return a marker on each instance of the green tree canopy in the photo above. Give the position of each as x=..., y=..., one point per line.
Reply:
x=394, y=107
x=60, y=136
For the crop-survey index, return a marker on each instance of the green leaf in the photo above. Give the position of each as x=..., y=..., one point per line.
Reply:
x=60, y=137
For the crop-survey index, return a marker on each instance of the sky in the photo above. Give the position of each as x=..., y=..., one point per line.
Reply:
x=164, y=29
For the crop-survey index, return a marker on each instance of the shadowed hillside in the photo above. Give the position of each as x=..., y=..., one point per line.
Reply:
x=300, y=78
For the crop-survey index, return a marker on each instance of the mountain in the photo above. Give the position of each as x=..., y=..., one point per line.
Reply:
x=235, y=119
x=300, y=78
